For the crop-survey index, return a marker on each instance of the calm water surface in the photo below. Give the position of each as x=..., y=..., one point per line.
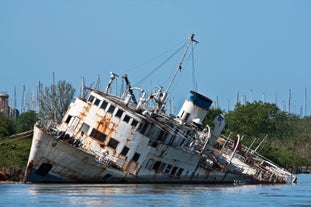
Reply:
x=156, y=195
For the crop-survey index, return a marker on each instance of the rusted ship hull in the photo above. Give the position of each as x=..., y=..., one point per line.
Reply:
x=57, y=161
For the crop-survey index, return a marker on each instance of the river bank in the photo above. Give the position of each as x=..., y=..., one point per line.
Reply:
x=14, y=152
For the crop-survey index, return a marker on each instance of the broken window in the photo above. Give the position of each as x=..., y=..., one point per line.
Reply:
x=125, y=151
x=134, y=123
x=149, y=164
x=174, y=171
x=98, y=135
x=179, y=172
x=162, y=166
x=68, y=119
x=156, y=165
x=126, y=118
x=113, y=143
x=136, y=157
x=162, y=136
x=144, y=128
x=168, y=169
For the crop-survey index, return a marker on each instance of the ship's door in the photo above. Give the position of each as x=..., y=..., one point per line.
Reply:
x=72, y=127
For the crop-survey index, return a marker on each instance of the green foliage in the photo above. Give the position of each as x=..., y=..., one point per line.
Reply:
x=55, y=101
x=14, y=156
x=302, y=126
x=212, y=113
x=281, y=155
x=26, y=121
x=14, y=153
x=7, y=126
x=258, y=119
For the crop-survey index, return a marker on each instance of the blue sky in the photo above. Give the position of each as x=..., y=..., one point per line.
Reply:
x=260, y=50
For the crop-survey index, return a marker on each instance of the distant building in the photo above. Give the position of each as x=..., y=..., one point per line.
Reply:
x=5, y=108
x=4, y=103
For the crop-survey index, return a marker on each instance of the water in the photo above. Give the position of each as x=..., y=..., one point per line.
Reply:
x=156, y=195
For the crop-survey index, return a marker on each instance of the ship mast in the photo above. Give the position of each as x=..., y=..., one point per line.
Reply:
x=163, y=98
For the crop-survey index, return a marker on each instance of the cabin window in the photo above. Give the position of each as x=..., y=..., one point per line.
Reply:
x=125, y=151
x=156, y=165
x=126, y=118
x=174, y=171
x=91, y=98
x=149, y=164
x=113, y=143
x=152, y=144
x=68, y=119
x=168, y=169
x=119, y=113
x=162, y=166
x=172, y=140
x=96, y=102
x=104, y=105
x=111, y=109
x=144, y=128
x=161, y=136
x=136, y=157
x=189, y=133
x=98, y=135
x=134, y=123
x=184, y=117
x=84, y=128
x=187, y=116
x=182, y=142
x=179, y=172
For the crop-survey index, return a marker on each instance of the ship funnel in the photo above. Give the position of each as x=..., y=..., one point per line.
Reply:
x=195, y=107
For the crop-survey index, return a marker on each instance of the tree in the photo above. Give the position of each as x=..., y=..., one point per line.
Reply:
x=55, y=100
x=210, y=116
x=258, y=119
x=26, y=121
x=7, y=126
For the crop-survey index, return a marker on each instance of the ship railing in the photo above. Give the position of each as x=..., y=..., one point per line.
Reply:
x=246, y=152
x=264, y=174
x=257, y=161
x=106, y=160
x=48, y=126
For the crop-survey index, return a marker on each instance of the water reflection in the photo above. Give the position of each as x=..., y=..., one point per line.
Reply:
x=134, y=194
x=155, y=195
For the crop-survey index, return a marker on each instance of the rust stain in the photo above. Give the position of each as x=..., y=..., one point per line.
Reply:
x=104, y=123
x=28, y=170
x=85, y=111
x=127, y=168
x=106, y=126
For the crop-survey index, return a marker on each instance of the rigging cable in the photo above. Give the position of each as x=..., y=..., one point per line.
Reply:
x=160, y=65
x=194, y=82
